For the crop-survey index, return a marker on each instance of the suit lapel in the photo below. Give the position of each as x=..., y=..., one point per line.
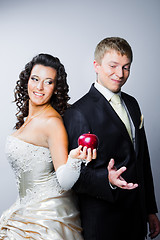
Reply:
x=135, y=118
x=106, y=107
x=131, y=109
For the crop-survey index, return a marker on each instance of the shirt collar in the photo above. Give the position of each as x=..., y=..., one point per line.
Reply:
x=105, y=91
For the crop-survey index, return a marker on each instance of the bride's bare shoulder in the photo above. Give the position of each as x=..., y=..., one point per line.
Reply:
x=53, y=119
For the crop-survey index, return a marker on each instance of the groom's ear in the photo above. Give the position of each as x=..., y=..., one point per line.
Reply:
x=96, y=66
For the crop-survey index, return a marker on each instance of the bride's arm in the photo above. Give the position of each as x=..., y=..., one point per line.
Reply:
x=68, y=173
x=67, y=167
x=57, y=140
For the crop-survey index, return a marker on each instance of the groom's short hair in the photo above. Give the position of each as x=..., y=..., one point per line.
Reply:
x=112, y=43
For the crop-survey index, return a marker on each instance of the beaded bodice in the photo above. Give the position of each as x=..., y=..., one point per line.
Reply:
x=33, y=168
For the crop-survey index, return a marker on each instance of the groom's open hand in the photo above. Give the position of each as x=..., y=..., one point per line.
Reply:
x=116, y=179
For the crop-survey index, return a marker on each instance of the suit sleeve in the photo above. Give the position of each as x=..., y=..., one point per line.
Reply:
x=148, y=181
x=151, y=206
x=92, y=181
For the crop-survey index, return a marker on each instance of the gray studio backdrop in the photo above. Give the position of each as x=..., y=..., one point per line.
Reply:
x=70, y=30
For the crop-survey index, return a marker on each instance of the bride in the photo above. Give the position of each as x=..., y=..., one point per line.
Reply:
x=38, y=153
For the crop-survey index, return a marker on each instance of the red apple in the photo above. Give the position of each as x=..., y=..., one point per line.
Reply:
x=88, y=140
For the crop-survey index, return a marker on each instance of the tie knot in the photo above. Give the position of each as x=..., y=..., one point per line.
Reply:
x=116, y=99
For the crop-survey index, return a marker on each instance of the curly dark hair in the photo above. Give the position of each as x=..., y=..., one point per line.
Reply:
x=59, y=100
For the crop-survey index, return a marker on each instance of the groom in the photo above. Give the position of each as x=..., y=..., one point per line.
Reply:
x=115, y=191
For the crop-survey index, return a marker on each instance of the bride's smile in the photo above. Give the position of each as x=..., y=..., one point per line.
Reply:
x=41, y=84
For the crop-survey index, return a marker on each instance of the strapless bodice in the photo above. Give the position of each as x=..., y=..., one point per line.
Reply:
x=33, y=168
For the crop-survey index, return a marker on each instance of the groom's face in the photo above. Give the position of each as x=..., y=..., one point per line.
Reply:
x=113, y=71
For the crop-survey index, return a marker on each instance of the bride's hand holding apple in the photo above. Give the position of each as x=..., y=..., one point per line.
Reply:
x=83, y=153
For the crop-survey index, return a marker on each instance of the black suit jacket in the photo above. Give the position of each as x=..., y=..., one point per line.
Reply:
x=103, y=209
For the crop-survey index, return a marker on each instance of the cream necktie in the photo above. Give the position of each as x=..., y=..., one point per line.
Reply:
x=120, y=110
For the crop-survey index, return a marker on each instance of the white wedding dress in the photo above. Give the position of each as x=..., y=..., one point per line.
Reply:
x=43, y=209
